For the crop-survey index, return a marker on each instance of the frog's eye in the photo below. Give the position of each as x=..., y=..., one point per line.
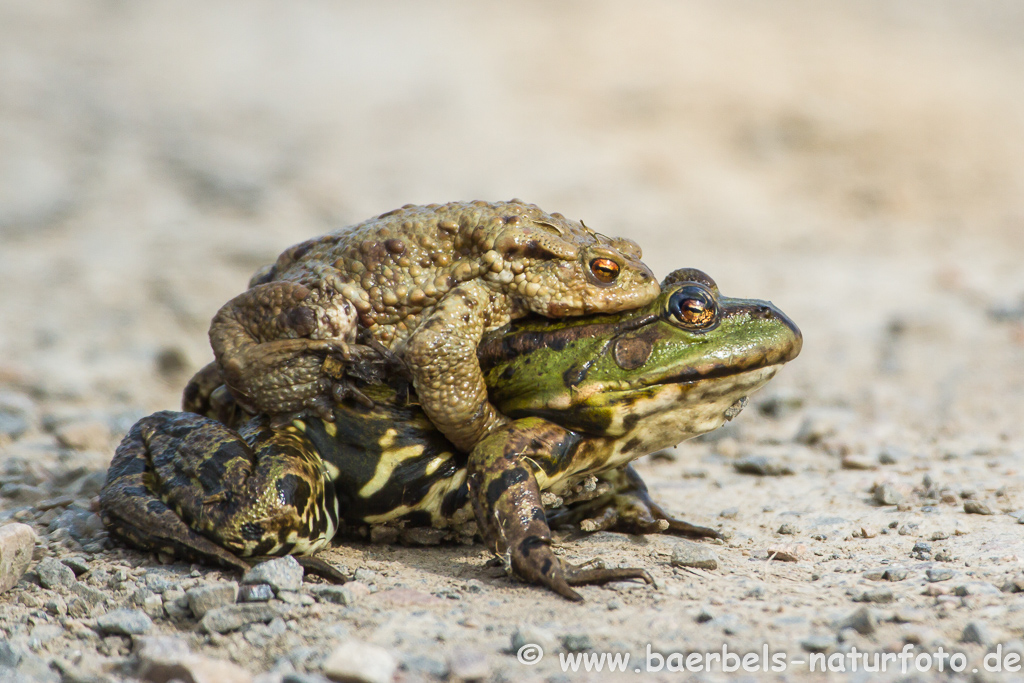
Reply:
x=694, y=307
x=604, y=269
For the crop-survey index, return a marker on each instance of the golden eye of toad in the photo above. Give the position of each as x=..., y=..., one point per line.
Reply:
x=604, y=269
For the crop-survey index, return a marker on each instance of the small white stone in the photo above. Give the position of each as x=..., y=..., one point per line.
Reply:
x=358, y=662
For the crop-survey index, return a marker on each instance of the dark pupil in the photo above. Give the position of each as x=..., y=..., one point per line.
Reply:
x=694, y=309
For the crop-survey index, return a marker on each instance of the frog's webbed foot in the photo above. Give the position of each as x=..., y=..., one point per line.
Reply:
x=596, y=573
x=626, y=508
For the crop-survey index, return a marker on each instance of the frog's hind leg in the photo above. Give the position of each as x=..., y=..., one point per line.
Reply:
x=133, y=512
x=506, y=502
x=627, y=508
x=250, y=493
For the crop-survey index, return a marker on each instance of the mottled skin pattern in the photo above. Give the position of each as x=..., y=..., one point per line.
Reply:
x=426, y=282
x=587, y=396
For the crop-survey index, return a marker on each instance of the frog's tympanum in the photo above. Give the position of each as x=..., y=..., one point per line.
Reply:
x=426, y=282
x=584, y=397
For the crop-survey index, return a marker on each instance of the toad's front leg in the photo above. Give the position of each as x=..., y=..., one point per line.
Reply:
x=271, y=343
x=441, y=356
x=509, y=514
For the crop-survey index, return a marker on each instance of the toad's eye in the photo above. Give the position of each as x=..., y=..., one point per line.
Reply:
x=694, y=307
x=604, y=269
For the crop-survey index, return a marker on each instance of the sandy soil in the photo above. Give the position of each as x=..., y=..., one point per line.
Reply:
x=860, y=166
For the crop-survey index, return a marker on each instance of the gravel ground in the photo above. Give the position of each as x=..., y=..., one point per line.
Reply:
x=859, y=165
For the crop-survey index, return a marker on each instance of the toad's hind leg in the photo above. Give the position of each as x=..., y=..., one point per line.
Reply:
x=189, y=486
x=272, y=341
x=509, y=514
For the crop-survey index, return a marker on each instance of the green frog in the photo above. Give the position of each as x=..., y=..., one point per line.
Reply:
x=426, y=282
x=584, y=396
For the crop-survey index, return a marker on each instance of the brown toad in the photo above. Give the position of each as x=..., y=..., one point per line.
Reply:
x=426, y=282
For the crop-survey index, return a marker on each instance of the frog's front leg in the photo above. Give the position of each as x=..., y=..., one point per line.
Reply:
x=190, y=487
x=441, y=356
x=509, y=514
x=271, y=343
x=628, y=508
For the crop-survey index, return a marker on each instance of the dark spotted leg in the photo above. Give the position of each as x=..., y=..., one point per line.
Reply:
x=509, y=514
x=133, y=512
x=206, y=394
x=627, y=508
x=189, y=486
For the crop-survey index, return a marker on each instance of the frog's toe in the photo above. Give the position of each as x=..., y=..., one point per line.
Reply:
x=580, y=576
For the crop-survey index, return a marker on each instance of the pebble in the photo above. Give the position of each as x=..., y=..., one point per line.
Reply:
x=690, y=554
x=83, y=525
x=153, y=605
x=879, y=595
x=201, y=599
x=360, y=662
x=281, y=574
x=233, y=617
x=820, y=424
x=162, y=659
x=78, y=565
x=577, y=642
x=977, y=632
x=886, y=494
x=468, y=665
x=762, y=465
x=861, y=620
x=922, y=551
x=91, y=595
x=528, y=634
x=339, y=595
x=976, y=507
x=54, y=574
x=939, y=574
x=293, y=598
x=17, y=542
x=430, y=667
x=176, y=603
x=975, y=588
x=124, y=622
x=788, y=529
x=256, y=592
x=10, y=656
x=157, y=583
x=821, y=643
x=1014, y=584
x=853, y=461
x=12, y=425
x=790, y=552
x=57, y=606
x=365, y=575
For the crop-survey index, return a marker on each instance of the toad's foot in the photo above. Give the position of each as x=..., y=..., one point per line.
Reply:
x=627, y=508
x=283, y=354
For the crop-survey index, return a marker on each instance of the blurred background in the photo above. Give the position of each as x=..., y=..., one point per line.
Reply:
x=860, y=164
